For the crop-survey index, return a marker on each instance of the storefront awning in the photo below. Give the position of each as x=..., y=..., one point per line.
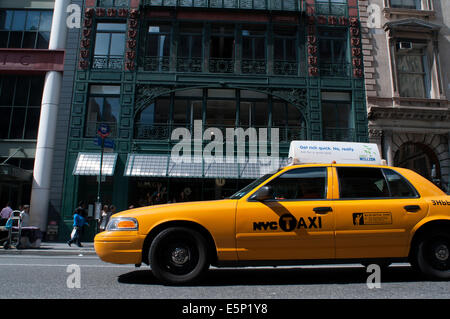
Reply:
x=12, y=173
x=88, y=164
x=145, y=165
x=151, y=165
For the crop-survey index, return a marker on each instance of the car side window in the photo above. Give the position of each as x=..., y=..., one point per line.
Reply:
x=301, y=183
x=362, y=182
x=398, y=185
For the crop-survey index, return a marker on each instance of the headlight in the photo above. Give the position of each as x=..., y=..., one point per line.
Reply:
x=122, y=223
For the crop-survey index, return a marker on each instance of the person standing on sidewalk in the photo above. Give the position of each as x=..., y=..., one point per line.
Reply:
x=79, y=221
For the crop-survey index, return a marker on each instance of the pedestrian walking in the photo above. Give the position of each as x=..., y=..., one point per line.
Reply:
x=25, y=215
x=79, y=220
x=104, y=218
x=5, y=214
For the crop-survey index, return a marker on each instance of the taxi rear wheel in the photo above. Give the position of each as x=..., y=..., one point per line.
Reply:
x=433, y=255
x=178, y=255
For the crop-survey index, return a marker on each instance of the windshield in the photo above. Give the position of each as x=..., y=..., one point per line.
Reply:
x=241, y=193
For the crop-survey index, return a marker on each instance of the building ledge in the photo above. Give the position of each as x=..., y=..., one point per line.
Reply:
x=389, y=12
x=410, y=102
x=409, y=113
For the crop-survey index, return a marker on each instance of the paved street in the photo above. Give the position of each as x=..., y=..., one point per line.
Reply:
x=47, y=276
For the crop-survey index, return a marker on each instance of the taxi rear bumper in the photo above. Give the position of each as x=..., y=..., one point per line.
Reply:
x=119, y=247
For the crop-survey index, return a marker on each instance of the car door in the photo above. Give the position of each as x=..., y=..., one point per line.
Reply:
x=296, y=223
x=375, y=210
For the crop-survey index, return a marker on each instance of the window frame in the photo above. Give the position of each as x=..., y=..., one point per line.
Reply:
x=108, y=56
x=333, y=57
x=418, y=5
x=103, y=96
x=269, y=180
x=382, y=169
x=24, y=29
x=336, y=101
x=426, y=73
x=26, y=106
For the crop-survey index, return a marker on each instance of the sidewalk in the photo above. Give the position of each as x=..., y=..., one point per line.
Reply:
x=53, y=249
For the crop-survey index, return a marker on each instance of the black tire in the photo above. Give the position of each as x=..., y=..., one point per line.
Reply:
x=433, y=257
x=178, y=255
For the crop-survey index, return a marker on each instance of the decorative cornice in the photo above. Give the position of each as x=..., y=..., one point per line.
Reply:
x=406, y=113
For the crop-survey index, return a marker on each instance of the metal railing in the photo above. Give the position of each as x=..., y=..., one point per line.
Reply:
x=282, y=5
x=107, y=62
x=332, y=9
x=158, y=132
x=113, y=3
x=155, y=132
x=189, y=65
x=221, y=65
x=285, y=67
x=156, y=64
x=253, y=66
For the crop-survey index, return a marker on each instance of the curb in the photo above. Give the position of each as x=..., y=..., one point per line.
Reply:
x=50, y=250
x=45, y=252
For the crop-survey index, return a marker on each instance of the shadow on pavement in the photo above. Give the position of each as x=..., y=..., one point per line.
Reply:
x=283, y=276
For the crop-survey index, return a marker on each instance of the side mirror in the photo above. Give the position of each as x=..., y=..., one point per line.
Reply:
x=264, y=193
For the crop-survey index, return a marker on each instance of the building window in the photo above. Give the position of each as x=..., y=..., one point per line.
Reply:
x=109, y=46
x=337, y=116
x=406, y=4
x=334, y=53
x=219, y=108
x=285, y=50
x=331, y=7
x=157, y=50
x=190, y=48
x=20, y=106
x=103, y=108
x=25, y=28
x=253, y=50
x=412, y=69
x=254, y=109
x=289, y=120
x=221, y=52
x=153, y=121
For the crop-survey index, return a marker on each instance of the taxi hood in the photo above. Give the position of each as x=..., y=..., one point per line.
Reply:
x=187, y=208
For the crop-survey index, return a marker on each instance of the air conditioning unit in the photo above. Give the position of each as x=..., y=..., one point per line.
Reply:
x=405, y=45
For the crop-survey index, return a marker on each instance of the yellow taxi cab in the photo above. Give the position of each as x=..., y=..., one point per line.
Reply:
x=342, y=212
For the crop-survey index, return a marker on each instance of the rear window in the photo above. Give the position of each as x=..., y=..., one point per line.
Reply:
x=398, y=185
x=367, y=182
x=362, y=182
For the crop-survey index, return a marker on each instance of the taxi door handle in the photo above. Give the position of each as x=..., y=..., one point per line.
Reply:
x=412, y=208
x=322, y=210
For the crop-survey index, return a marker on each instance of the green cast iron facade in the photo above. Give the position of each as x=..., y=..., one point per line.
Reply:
x=140, y=82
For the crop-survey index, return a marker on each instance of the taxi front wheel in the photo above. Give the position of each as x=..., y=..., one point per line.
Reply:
x=178, y=255
x=433, y=255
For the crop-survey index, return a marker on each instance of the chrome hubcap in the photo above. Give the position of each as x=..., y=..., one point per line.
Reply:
x=442, y=252
x=180, y=256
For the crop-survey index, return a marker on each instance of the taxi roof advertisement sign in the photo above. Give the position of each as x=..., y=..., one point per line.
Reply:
x=303, y=152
